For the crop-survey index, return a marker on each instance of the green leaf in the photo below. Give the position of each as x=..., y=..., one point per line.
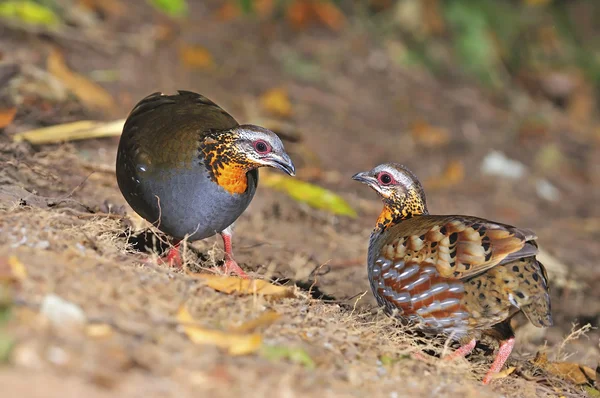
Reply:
x=28, y=12
x=7, y=343
x=313, y=195
x=296, y=355
x=174, y=8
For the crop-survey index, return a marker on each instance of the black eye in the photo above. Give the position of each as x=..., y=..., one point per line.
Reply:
x=385, y=178
x=261, y=146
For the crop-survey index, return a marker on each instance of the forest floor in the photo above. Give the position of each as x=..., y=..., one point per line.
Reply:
x=64, y=224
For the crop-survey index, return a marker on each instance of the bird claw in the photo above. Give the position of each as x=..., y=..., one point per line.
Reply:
x=231, y=267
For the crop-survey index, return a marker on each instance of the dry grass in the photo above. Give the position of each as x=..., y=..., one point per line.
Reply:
x=85, y=260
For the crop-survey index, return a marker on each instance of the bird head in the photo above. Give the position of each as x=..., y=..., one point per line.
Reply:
x=260, y=147
x=229, y=155
x=399, y=189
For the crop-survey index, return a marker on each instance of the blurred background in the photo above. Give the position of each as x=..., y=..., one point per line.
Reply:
x=492, y=103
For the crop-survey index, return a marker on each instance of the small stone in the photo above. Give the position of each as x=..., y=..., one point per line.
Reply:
x=62, y=313
x=496, y=163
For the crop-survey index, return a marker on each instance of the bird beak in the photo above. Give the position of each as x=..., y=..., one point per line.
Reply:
x=365, y=178
x=282, y=162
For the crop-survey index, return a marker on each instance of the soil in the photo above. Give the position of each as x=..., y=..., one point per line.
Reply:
x=62, y=215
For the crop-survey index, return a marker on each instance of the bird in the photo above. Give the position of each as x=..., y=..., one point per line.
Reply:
x=188, y=167
x=462, y=277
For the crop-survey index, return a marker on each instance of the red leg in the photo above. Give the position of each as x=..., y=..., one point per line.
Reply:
x=462, y=351
x=173, y=257
x=504, y=351
x=230, y=265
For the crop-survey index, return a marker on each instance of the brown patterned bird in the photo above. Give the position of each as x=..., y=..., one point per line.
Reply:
x=458, y=276
x=186, y=165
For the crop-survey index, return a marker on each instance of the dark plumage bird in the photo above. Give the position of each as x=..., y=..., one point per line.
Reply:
x=460, y=276
x=186, y=165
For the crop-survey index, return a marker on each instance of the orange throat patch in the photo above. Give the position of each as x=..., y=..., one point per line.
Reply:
x=232, y=178
x=385, y=218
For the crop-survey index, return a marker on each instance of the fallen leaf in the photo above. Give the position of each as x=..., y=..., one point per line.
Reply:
x=81, y=130
x=91, y=94
x=265, y=319
x=228, y=11
x=232, y=284
x=570, y=371
x=114, y=8
x=296, y=355
x=329, y=14
x=7, y=344
x=7, y=116
x=452, y=175
x=196, y=57
x=174, y=8
x=536, y=3
x=99, y=330
x=29, y=12
x=504, y=373
x=234, y=343
x=299, y=13
x=313, y=195
x=429, y=136
x=277, y=102
x=18, y=268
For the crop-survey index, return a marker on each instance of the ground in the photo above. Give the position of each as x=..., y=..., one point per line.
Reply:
x=63, y=217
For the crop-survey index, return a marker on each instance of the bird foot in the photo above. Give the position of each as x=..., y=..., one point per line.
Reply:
x=232, y=267
x=504, y=351
x=173, y=257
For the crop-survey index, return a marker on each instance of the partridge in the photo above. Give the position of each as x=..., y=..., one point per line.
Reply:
x=459, y=276
x=186, y=166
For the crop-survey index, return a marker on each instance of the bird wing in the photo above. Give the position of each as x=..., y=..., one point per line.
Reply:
x=459, y=247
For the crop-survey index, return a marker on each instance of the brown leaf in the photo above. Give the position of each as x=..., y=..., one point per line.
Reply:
x=7, y=116
x=329, y=14
x=265, y=319
x=195, y=56
x=234, y=343
x=91, y=94
x=232, y=284
x=299, y=13
x=433, y=20
x=429, y=136
x=114, y=8
x=570, y=371
x=277, y=102
x=452, y=175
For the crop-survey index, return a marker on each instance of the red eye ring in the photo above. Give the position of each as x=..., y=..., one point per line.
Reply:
x=385, y=178
x=262, y=147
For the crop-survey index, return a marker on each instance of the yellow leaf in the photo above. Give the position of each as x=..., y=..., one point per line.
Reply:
x=17, y=268
x=81, y=130
x=99, y=330
x=265, y=319
x=235, y=344
x=196, y=57
x=504, y=373
x=570, y=371
x=7, y=116
x=91, y=94
x=277, y=102
x=232, y=284
x=313, y=195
